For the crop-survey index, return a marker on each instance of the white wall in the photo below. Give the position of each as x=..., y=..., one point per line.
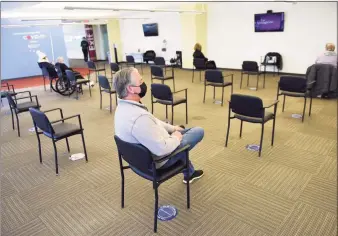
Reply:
x=73, y=36
x=308, y=27
x=169, y=28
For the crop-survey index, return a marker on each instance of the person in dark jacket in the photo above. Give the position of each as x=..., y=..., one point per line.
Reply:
x=199, y=54
x=63, y=67
x=85, y=47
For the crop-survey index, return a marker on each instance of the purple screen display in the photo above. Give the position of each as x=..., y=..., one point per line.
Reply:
x=269, y=22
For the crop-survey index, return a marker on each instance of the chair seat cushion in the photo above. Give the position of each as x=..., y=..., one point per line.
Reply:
x=24, y=106
x=268, y=116
x=176, y=101
x=4, y=93
x=166, y=77
x=62, y=130
x=219, y=84
x=162, y=174
x=293, y=94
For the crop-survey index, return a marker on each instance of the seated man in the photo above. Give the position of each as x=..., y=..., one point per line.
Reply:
x=134, y=124
x=63, y=67
x=329, y=56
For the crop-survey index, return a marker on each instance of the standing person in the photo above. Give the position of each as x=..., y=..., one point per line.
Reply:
x=135, y=124
x=85, y=46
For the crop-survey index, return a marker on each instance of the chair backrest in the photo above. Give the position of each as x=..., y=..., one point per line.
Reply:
x=247, y=105
x=130, y=59
x=214, y=76
x=293, y=84
x=91, y=65
x=114, y=67
x=11, y=102
x=161, y=92
x=59, y=71
x=159, y=61
x=41, y=120
x=156, y=71
x=44, y=72
x=135, y=155
x=199, y=63
x=103, y=82
x=250, y=66
x=70, y=75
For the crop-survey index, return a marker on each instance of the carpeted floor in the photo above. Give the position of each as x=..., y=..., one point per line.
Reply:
x=290, y=190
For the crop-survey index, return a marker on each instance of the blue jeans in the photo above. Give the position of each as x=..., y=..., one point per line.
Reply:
x=191, y=136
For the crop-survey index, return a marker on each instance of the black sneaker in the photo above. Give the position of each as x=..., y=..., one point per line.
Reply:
x=196, y=175
x=182, y=126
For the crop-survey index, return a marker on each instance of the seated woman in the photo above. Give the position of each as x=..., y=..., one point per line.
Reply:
x=63, y=67
x=199, y=54
x=329, y=56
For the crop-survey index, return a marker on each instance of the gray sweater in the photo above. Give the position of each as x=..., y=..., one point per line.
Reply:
x=134, y=124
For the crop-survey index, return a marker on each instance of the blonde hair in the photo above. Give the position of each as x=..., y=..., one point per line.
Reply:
x=198, y=47
x=60, y=59
x=330, y=47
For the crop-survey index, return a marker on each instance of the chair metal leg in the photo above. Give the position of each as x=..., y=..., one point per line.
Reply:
x=156, y=208
x=84, y=146
x=166, y=112
x=263, y=81
x=257, y=82
x=310, y=106
x=205, y=88
x=222, y=95
x=240, y=84
x=273, y=130
x=39, y=146
x=186, y=112
x=304, y=109
x=172, y=115
x=240, y=131
x=283, y=103
x=261, y=143
x=122, y=189
x=90, y=91
x=188, y=190
x=110, y=105
x=12, y=118
x=44, y=83
x=67, y=145
x=56, y=158
x=247, y=81
x=17, y=123
x=214, y=93
x=226, y=141
x=100, y=99
x=200, y=76
x=193, y=72
x=174, y=84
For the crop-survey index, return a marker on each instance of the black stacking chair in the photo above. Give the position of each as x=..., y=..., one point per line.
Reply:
x=250, y=109
x=163, y=95
x=9, y=89
x=131, y=62
x=114, y=67
x=215, y=78
x=199, y=65
x=105, y=87
x=92, y=68
x=56, y=130
x=18, y=108
x=157, y=74
x=159, y=61
x=77, y=83
x=251, y=68
x=143, y=163
x=295, y=86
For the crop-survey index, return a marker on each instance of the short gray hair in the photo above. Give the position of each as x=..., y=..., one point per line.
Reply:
x=122, y=79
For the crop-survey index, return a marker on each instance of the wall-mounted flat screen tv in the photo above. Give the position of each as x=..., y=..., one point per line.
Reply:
x=269, y=22
x=150, y=29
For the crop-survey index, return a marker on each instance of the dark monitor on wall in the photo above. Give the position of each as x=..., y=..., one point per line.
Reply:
x=150, y=29
x=269, y=22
